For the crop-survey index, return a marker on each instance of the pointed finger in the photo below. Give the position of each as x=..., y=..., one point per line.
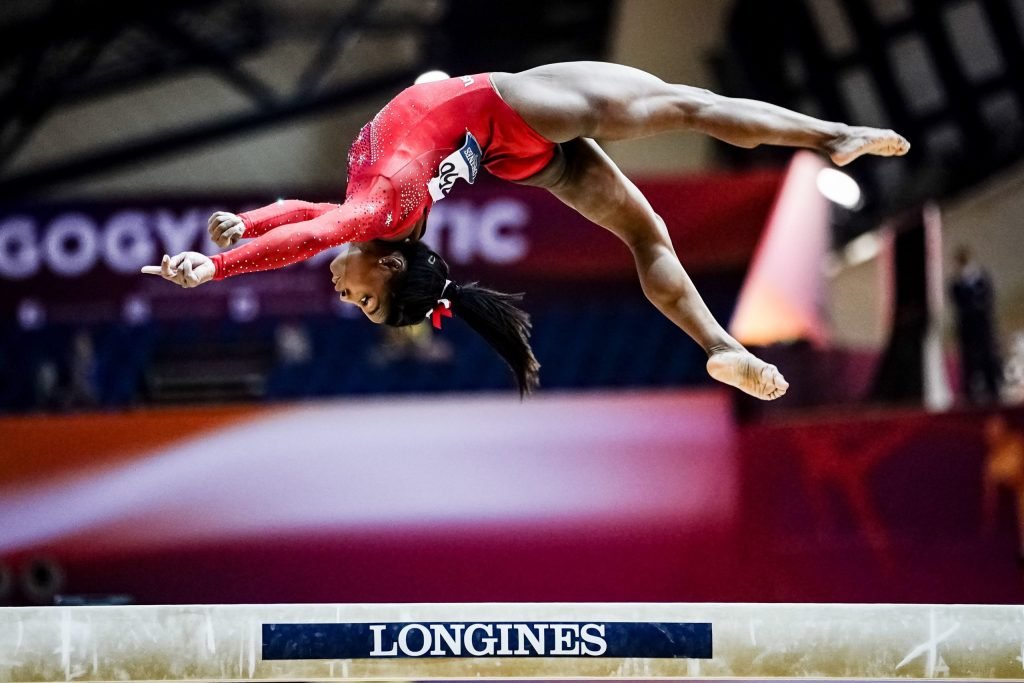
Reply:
x=152, y=270
x=165, y=267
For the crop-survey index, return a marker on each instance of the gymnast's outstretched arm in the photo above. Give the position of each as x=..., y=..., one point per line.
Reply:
x=585, y=178
x=281, y=242
x=227, y=228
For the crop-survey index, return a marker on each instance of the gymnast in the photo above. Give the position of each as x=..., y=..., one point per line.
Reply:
x=536, y=127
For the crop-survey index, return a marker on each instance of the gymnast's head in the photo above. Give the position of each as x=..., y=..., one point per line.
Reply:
x=403, y=283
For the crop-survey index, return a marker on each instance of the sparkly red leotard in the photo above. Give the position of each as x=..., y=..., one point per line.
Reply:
x=403, y=160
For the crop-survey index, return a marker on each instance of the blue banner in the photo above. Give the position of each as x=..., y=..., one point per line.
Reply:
x=487, y=639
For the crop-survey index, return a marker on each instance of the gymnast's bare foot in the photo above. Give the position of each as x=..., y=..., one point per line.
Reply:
x=856, y=141
x=748, y=373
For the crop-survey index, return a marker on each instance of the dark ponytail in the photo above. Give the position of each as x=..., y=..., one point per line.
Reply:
x=493, y=315
x=506, y=327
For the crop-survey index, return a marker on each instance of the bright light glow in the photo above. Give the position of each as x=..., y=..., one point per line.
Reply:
x=243, y=305
x=862, y=249
x=839, y=188
x=136, y=310
x=31, y=315
x=783, y=295
x=431, y=76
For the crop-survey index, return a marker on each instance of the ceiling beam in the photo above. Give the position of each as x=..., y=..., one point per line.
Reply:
x=152, y=147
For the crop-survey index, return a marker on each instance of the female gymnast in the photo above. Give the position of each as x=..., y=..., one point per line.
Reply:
x=536, y=127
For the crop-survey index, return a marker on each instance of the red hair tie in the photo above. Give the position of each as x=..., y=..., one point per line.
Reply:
x=443, y=309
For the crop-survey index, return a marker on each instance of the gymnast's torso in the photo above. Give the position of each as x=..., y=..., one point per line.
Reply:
x=409, y=156
x=431, y=135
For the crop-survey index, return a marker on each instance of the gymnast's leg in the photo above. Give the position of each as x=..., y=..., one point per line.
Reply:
x=615, y=102
x=585, y=178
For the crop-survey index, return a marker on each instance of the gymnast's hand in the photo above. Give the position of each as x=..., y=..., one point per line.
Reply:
x=188, y=269
x=225, y=228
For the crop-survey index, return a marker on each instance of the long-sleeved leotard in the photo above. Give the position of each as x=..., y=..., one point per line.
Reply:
x=292, y=231
x=406, y=158
x=282, y=212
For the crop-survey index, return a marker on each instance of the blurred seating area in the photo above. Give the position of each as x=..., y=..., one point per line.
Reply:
x=599, y=343
x=46, y=370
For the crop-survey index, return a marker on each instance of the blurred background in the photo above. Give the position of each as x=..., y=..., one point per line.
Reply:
x=253, y=441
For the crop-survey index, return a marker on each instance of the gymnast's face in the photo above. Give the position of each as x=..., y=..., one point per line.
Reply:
x=362, y=276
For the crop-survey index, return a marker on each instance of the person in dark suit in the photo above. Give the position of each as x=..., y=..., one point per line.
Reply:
x=971, y=290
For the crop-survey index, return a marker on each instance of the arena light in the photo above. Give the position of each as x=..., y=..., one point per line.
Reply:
x=136, y=310
x=839, y=188
x=31, y=314
x=243, y=306
x=431, y=76
x=862, y=249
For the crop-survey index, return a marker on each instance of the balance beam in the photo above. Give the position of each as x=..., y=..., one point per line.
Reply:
x=552, y=641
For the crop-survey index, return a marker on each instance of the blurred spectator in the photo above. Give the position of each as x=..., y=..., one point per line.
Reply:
x=411, y=342
x=45, y=387
x=971, y=290
x=293, y=344
x=1013, y=377
x=68, y=382
x=1004, y=470
x=81, y=391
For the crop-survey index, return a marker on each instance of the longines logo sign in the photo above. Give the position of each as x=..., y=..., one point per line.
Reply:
x=487, y=639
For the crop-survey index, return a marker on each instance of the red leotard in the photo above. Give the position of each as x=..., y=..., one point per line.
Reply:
x=390, y=165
